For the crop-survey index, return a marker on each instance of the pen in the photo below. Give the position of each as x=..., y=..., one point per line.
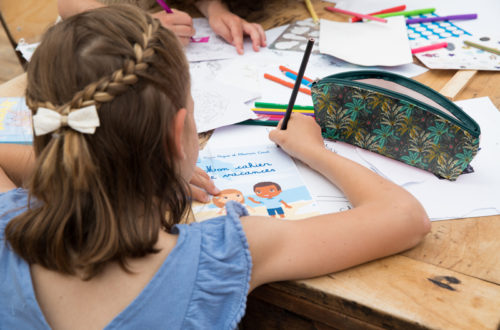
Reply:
x=294, y=77
x=408, y=12
x=351, y=13
x=384, y=11
x=295, y=90
x=285, y=83
x=487, y=49
x=165, y=6
x=429, y=47
x=281, y=114
x=311, y=11
x=168, y=10
x=285, y=69
x=281, y=106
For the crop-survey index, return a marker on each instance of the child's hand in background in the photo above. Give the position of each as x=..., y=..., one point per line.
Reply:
x=231, y=27
x=179, y=22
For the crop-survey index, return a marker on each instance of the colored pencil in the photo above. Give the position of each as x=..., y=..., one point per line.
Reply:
x=311, y=11
x=408, y=13
x=281, y=106
x=294, y=77
x=286, y=83
x=165, y=6
x=429, y=47
x=280, y=110
x=440, y=18
x=351, y=13
x=285, y=69
x=281, y=114
x=383, y=11
x=296, y=88
x=487, y=49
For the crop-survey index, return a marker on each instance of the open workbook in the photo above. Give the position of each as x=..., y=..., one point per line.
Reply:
x=263, y=178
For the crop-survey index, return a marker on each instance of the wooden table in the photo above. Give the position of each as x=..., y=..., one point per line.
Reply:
x=450, y=281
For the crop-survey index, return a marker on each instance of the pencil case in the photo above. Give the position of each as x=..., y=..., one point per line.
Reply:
x=396, y=117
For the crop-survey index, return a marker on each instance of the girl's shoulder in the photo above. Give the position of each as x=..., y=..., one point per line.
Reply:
x=224, y=270
x=12, y=203
x=204, y=280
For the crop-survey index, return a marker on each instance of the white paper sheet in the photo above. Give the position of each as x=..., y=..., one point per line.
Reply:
x=368, y=43
x=215, y=49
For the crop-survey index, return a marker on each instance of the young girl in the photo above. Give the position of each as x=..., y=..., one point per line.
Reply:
x=95, y=241
x=229, y=26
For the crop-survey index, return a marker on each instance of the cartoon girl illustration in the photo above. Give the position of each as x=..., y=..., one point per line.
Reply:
x=229, y=195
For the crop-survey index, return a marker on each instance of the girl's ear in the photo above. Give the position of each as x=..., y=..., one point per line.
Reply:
x=179, y=120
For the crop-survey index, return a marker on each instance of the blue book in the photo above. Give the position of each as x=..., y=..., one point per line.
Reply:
x=15, y=121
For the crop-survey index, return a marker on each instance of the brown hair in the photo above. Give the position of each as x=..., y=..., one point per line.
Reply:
x=105, y=196
x=216, y=199
x=266, y=184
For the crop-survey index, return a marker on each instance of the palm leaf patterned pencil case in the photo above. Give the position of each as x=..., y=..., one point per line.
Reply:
x=396, y=117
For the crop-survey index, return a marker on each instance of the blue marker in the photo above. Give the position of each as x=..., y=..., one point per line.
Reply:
x=294, y=77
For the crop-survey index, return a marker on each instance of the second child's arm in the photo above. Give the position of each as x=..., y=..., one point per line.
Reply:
x=178, y=22
x=385, y=218
x=16, y=164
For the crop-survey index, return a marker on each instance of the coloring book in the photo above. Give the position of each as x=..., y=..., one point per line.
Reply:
x=15, y=121
x=263, y=178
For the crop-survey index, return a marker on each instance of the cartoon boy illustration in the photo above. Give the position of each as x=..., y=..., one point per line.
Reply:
x=227, y=195
x=267, y=193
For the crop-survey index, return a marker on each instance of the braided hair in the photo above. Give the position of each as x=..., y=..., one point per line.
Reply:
x=104, y=197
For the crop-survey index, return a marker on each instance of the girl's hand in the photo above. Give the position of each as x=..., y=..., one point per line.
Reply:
x=201, y=185
x=230, y=26
x=301, y=138
x=179, y=22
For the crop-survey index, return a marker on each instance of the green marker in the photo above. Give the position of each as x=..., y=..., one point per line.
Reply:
x=408, y=13
x=259, y=122
x=281, y=106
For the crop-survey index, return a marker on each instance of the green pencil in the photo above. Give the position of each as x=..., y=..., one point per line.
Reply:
x=408, y=13
x=488, y=49
x=281, y=106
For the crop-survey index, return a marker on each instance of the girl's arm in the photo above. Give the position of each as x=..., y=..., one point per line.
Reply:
x=67, y=8
x=230, y=26
x=385, y=218
x=16, y=164
x=178, y=22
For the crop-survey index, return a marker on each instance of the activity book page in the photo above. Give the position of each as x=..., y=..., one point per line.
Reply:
x=262, y=178
x=15, y=121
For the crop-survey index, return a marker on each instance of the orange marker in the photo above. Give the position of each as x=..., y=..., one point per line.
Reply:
x=285, y=69
x=286, y=83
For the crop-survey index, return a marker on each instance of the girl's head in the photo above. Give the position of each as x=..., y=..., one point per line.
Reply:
x=105, y=196
x=227, y=195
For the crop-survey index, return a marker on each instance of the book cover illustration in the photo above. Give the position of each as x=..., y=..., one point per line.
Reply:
x=262, y=178
x=15, y=121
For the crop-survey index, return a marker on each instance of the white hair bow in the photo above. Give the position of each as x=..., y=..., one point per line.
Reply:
x=84, y=120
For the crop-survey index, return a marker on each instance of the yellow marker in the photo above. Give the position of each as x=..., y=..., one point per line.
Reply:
x=311, y=10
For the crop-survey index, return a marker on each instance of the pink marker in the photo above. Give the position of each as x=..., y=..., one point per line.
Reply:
x=351, y=13
x=429, y=47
